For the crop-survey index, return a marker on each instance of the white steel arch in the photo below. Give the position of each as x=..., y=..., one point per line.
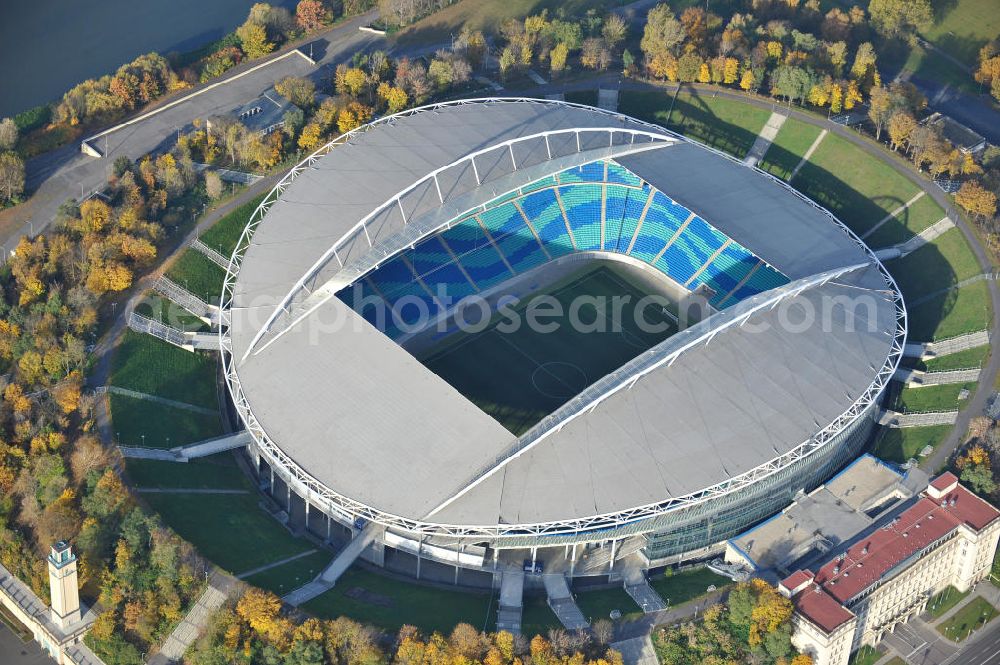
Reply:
x=348, y=508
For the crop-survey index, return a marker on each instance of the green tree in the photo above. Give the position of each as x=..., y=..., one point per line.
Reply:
x=662, y=34
x=893, y=18
x=253, y=40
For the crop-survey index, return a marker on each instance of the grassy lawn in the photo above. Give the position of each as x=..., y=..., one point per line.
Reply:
x=682, y=587
x=537, y=617
x=727, y=125
x=793, y=140
x=968, y=359
x=282, y=579
x=866, y=655
x=229, y=529
x=954, y=313
x=974, y=615
x=139, y=422
x=924, y=212
x=196, y=273
x=600, y=603
x=389, y=603
x=213, y=472
x=923, y=64
x=158, y=308
x=932, y=398
x=961, y=27
x=939, y=605
x=225, y=233
x=149, y=365
x=487, y=16
x=899, y=444
x=588, y=97
x=854, y=186
x=515, y=393
x=935, y=266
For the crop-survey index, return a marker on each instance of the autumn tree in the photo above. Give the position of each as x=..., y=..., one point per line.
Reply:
x=892, y=18
x=11, y=176
x=253, y=40
x=976, y=199
x=614, y=31
x=901, y=125
x=557, y=58
x=8, y=134
x=311, y=15
x=662, y=34
x=298, y=90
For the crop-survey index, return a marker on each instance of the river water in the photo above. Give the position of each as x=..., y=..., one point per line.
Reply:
x=48, y=46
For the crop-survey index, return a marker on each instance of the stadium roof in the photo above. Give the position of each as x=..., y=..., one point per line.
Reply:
x=357, y=413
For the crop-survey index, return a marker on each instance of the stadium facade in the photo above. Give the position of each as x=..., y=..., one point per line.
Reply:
x=665, y=458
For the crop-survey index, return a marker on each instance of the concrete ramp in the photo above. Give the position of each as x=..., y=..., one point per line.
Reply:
x=636, y=651
x=561, y=601
x=213, y=446
x=511, y=601
x=764, y=139
x=328, y=578
x=607, y=99
x=191, y=451
x=644, y=595
x=894, y=419
x=157, y=454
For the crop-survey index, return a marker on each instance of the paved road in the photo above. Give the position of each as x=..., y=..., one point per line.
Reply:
x=984, y=651
x=15, y=652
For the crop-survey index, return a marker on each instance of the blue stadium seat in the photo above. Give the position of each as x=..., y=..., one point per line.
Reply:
x=395, y=281
x=543, y=211
x=623, y=208
x=620, y=175
x=592, y=172
x=513, y=237
x=363, y=299
x=661, y=222
x=436, y=267
x=550, y=181
x=728, y=269
x=583, y=209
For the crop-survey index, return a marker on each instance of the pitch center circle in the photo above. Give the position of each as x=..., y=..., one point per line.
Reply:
x=559, y=380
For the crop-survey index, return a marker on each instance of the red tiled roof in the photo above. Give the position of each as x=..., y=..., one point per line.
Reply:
x=943, y=481
x=796, y=579
x=820, y=608
x=918, y=526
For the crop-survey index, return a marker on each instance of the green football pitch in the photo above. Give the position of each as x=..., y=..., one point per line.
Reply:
x=519, y=374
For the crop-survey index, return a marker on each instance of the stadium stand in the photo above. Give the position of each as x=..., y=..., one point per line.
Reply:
x=543, y=211
x=528, y=227
x=582, y=204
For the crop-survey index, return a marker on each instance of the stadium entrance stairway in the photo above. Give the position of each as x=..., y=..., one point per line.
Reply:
x=511, y=600
x=561, y=601
x=328, y=578
x=191, y=451
x=644, y=595
x=894, y=419
x=914, y=378
x=927, y=350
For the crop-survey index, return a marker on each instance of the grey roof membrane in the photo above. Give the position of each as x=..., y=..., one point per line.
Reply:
x=363, y=417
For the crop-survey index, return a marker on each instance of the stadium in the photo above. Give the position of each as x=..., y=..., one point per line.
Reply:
x=746, y=364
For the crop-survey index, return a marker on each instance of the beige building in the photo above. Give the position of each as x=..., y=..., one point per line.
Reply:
x=885, y=575
x=59, y=629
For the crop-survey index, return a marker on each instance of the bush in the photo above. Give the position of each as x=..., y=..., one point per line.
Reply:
x=33, y=118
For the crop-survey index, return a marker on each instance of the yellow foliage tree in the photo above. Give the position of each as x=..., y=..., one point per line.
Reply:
x=310, y=137
x=747, y=80
x=704, y=74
